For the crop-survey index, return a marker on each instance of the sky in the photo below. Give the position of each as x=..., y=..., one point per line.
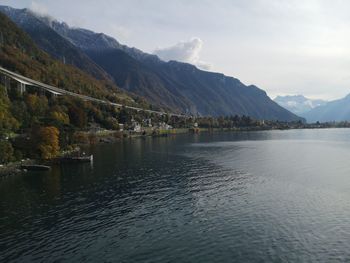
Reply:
x=282, y=46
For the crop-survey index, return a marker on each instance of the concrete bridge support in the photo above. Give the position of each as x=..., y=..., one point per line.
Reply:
x=21, y=87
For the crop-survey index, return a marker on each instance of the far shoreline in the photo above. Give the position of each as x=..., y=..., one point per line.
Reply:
x=109, y=136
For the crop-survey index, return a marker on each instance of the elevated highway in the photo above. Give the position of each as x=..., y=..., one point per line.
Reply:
x=23, y=81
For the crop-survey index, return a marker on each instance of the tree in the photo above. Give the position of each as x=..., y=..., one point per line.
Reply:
x=37, y=105
x=77, y=116
x=80, y=138
x=124, y=117
x=7, y=121
x=6, y=152
x=46, y=141
x=111, y=123
x=221, y=122
x=60, y=117
x=20, y=111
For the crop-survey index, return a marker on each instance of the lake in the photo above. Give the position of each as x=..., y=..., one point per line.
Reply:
x=272, y=196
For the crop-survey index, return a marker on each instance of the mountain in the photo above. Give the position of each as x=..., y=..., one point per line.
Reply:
x=19, y=53
x=180, y=86
x=51, y=42
x=337, y=110
x=88, y=40
x=298, y=104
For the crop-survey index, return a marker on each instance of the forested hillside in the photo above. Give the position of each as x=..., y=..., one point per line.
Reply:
x=37, y=124
x=21, y=55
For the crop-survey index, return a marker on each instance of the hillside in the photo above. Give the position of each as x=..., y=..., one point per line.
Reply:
x=134, y=77
x=51, y=42
x=20, y=54
x=35, y=124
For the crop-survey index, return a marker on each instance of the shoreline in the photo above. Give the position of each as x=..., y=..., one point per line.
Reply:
x=14, y=168
x=109, y=136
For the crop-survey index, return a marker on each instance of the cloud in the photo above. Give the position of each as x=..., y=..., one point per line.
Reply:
x=39, y=8
x=118, y=31
x=41, y=11
x=184, y=51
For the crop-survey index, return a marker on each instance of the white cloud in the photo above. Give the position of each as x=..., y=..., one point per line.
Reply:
x=39, y=8
x=184, y=51
x=119, y=32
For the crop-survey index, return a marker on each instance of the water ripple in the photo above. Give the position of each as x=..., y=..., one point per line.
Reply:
x=275, y=197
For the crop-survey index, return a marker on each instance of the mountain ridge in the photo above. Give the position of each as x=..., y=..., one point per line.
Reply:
x=168, y=73
x=181, y=86
x=52, y=42
x=20, y=54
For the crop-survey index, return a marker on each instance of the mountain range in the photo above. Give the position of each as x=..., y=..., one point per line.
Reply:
x=336, y=110
x=298, y=104
x=317, y=110
x=178, y=86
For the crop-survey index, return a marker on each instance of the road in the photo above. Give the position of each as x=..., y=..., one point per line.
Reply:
x=58, y=91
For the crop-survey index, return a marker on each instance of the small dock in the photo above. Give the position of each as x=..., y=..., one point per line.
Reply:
x=77, y=159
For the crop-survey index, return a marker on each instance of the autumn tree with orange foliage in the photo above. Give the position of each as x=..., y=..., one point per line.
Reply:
x=46, y=141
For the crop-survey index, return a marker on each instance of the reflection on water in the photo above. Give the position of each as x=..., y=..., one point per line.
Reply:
x=253, y=196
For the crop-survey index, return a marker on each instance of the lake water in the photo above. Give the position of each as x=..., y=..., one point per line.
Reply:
x=274, y=196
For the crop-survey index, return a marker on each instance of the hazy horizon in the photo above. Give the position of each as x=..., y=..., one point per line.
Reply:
x=283, y=47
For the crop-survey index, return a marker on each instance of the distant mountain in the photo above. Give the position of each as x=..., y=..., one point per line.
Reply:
x=180, y=86
x=51, y=42
x=337, y=110
x=298, y=104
